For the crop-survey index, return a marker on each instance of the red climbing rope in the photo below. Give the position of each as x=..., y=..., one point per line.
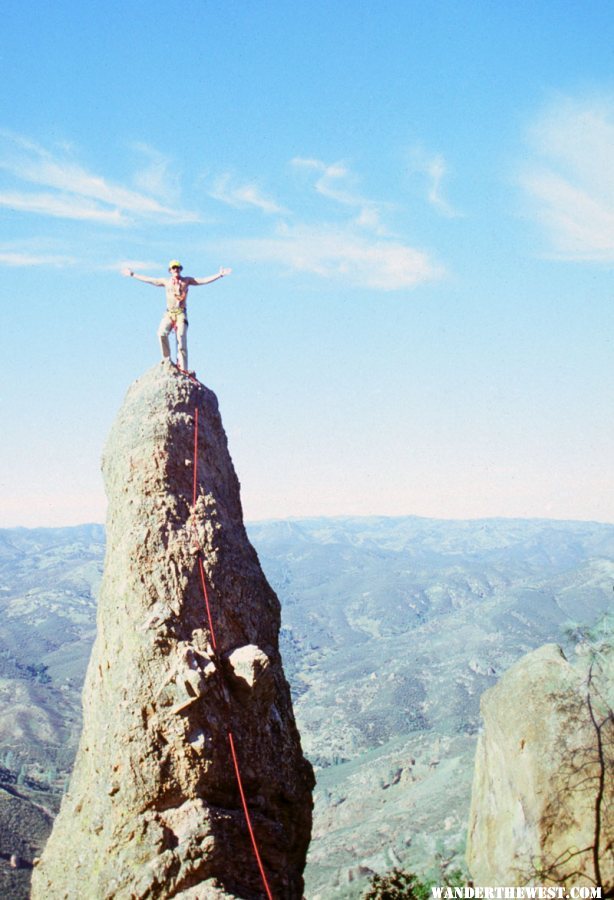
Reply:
x=203, y=582
x=247, y=816
x=189, y=374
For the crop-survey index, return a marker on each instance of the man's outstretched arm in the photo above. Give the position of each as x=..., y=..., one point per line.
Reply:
x=211, y=278
x=158, y=282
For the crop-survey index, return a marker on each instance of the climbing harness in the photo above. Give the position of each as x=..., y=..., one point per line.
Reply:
x=174, y=314
x=203, y=581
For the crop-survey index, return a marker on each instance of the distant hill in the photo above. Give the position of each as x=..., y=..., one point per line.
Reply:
x=49, y=578
x=392, y=628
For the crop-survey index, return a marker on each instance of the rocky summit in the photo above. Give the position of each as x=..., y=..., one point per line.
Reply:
x=185, y=678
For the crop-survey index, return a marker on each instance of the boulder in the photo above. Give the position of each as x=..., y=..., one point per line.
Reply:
x=543, y=790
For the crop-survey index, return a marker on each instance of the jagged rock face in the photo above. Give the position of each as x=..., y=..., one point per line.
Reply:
x=542, y=804
x=153, y=808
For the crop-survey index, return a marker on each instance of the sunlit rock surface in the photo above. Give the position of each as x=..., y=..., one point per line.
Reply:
x=153, y=808
x=543, y=790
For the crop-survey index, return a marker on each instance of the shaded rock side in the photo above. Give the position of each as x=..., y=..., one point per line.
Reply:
x=153, y=808
x=542, y=803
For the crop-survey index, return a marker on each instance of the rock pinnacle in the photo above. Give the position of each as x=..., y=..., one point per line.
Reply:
x=153, y=809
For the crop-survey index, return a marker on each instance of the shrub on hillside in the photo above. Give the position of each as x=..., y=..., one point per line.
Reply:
x=398, y=885
x=401, y=885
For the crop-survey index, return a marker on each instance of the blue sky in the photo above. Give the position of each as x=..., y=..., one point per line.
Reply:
x=416, y=199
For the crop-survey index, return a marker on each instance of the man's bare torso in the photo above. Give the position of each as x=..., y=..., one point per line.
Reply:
x=177, y=292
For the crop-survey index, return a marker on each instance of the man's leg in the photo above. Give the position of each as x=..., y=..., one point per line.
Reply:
x=182, y=343
x=166, y=326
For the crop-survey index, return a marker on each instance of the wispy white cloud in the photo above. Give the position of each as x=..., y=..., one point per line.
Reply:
x=337, y=182
x=16, y=259
x=157, y=176
x=63, y=206
x=137, y=265
x=333, y=180
x=91, y=196
x=435, y=168
x=579, y=224
x=356, y=249
x=570, y=178
x=340, y=253
x=226, y=190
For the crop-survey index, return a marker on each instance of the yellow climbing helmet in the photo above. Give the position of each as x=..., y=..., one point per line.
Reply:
x=175, y=264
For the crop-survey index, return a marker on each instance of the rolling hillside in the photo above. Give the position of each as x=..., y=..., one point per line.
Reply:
x=392, y=628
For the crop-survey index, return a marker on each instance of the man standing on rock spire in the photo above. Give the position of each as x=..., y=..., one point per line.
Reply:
x=175, y=317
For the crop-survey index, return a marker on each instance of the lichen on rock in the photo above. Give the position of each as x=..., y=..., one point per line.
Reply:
x=153, y=808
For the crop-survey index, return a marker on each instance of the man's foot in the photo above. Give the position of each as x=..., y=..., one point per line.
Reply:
x=189, y=372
